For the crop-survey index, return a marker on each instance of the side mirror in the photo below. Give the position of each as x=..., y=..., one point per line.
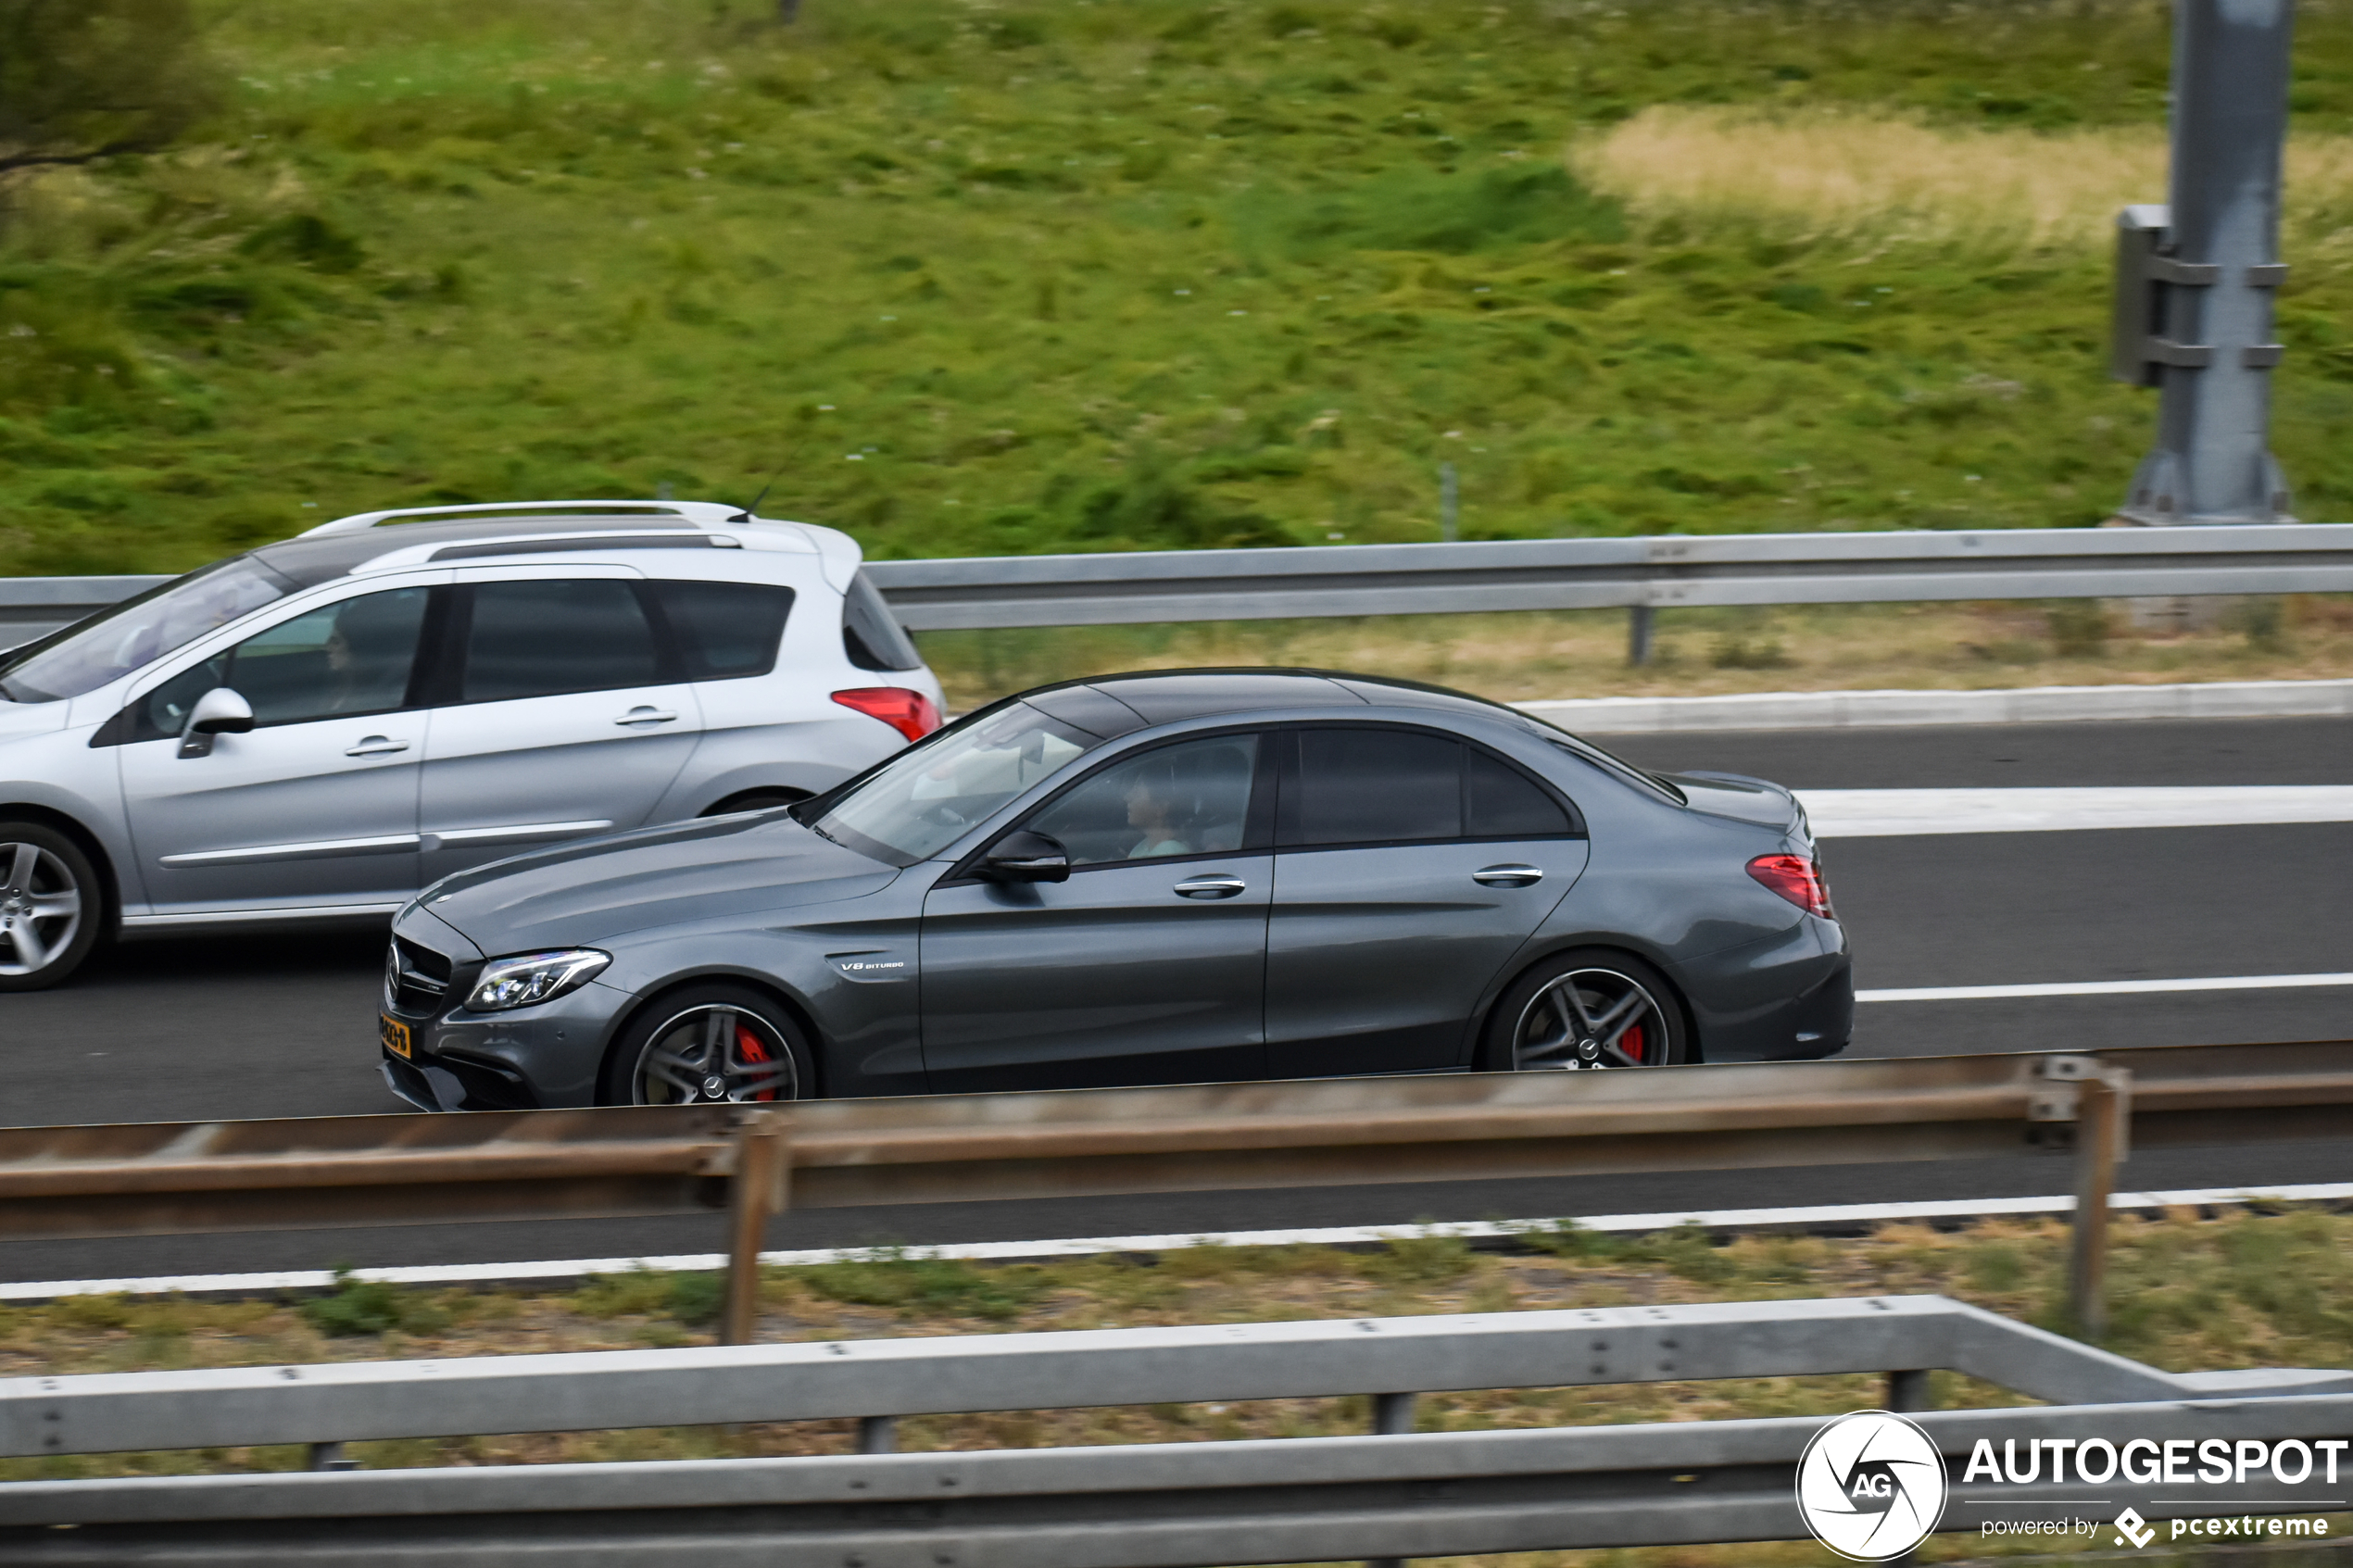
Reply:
x=1027, y=856
x=220, y=712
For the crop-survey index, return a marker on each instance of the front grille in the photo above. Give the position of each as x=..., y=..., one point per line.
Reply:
x=416, y=979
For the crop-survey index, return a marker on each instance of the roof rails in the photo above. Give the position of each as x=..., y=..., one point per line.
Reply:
x=700, y=514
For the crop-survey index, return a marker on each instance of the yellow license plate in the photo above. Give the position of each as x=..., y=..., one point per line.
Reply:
x=395, y=1035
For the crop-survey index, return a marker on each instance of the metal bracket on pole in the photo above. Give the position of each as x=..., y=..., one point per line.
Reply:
x=2194, y=278
x=761, y=1186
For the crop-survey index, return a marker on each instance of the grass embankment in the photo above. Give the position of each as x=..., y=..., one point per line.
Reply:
x=1072, y=275
x=1145, y=272
x=2250, y=1289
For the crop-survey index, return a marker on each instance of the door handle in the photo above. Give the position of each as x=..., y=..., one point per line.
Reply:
x=376, y=745
x=644, y=715
x=1508, y=876
x=1218, y=886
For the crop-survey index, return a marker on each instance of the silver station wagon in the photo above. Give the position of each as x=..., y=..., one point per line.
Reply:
x=313, y=731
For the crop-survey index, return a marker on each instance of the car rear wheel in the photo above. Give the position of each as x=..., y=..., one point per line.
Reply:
x=710, y=1045
x=1584, y=1011
x=51, y=905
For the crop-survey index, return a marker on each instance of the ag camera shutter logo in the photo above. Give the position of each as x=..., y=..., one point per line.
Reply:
x=1871, y=1485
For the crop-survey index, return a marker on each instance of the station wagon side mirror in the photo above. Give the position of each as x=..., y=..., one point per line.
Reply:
x=1025, y=857
x=220, y=712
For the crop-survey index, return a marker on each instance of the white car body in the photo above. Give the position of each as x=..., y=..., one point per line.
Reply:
x=335, y=817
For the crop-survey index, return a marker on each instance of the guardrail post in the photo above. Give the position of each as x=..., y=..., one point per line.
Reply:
x=877, y=1434
x=1638, y=634
x=1908, y=1391
x=1392, y=1417
x=327, y=1455
x=761, y=1186
x=2103, y=1119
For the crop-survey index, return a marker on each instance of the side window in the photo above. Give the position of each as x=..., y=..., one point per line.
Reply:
x=870, y=635
x=1371, y=787
x=546, y=638
x=724, y=630
x=341, y=660
x=1190, y=799
x=1499, y=801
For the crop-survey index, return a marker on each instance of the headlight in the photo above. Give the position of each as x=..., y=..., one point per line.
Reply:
x=533, y=977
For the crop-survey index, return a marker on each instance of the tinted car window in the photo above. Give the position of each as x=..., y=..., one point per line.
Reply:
x=349, y=657
x=1191, y=798
x=1368, y=786
x=724, y=630
x=1499, y=801
x=870, y=635
x=543, y=638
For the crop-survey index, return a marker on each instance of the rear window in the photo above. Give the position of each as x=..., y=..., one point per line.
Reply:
x=725, y=630
x=870, y=635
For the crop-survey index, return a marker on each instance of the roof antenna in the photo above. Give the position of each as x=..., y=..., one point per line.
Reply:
x=745, y=515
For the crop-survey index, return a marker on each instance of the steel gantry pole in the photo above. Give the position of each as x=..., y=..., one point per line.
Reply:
x=2196, y=280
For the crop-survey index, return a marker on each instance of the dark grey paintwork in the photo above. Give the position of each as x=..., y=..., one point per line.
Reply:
x=1331, y=960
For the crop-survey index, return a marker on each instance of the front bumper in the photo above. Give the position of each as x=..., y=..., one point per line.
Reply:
x=543, y=1057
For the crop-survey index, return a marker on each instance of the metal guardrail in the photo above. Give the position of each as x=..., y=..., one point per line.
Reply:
x=1639, y=574
x=168, y=1177
x=1302, y=1500
x=1390, y=1496
x=1643, y=573
x=344, y=1401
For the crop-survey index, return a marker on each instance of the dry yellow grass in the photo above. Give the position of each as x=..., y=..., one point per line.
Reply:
x=1887, y=178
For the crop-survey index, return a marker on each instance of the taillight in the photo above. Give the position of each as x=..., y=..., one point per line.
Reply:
x=910, y=712
x=1796, y=879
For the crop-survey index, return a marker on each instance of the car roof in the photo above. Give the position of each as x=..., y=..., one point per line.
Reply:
x=1163, y=696
x=412, y=538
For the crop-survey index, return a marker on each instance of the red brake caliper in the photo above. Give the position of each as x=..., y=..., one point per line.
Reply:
x=747, y=1046
x=1631, y=1043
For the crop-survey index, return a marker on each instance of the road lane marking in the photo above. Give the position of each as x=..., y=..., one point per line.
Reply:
x=2102, y=987
x=1096, y=1245
x=1891, y=813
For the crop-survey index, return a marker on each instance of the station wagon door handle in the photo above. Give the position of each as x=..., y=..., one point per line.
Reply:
x=1508, y=876
x=643, y=715
x=1210, y=888
x=376, y=745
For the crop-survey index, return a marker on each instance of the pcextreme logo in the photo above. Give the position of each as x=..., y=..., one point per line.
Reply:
x=1871, y=1485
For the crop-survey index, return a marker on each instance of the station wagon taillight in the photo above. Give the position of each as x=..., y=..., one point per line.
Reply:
x=1796, y=879
x=910, y=712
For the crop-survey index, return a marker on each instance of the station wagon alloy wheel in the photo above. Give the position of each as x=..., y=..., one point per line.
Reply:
x=1590, y=1018
x=49, y=906
x=716, y=1054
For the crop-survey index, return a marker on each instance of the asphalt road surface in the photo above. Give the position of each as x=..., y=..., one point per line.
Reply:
x=282, y=1025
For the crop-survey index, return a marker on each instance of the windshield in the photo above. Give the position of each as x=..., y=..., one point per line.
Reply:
x=925, y=799
x=136, y=633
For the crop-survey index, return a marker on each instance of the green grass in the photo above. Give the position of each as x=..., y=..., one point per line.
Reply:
x=1087, y=274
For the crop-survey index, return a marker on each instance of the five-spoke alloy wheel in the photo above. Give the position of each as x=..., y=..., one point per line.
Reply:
x=1585, y=1010
x=713, y=1045
x=50, y=906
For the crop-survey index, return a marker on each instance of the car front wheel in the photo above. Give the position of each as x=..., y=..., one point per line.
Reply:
x=51, y=905
x=710, y=1045
x=1586, y=1009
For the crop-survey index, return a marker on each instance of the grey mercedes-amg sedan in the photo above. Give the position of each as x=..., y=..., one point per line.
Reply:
x=1168, y=877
